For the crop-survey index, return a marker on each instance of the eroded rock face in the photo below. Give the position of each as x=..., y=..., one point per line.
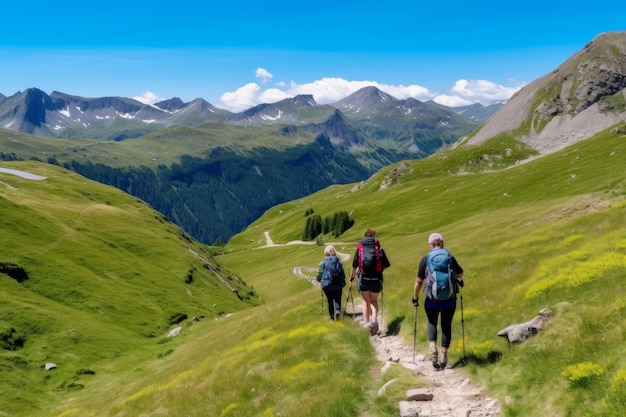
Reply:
x=588, y=90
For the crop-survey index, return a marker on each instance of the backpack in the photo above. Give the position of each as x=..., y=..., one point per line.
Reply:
x=333, y=277
x=370, y=260
x=440, y=277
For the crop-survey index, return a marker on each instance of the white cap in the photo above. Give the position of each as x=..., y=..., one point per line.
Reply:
x=434, y=237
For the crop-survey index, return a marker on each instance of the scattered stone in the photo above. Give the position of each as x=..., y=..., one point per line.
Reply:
x=174, y=332
x=50, y=366
x=410, y=366
x=448, y=393
x=419, y=394
x=382, y=389
x=407, y=409
x=522, y=331
x=386, y=367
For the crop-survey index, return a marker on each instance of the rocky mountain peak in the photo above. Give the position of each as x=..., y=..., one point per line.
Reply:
x=583, y=96
x=364, y=98
x=172, y=104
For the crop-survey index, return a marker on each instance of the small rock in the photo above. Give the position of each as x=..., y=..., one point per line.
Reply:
x=174, y=332
x=50, y=365
x=410, y=366
x=419, y=394
x=465, y=382
x=407, y=409
x=382, y=389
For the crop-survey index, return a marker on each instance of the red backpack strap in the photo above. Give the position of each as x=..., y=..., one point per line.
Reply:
x=359, y=247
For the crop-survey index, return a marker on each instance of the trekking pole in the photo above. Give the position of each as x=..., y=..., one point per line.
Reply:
x=352, y=300
x=382, y=307
x=414, y=332
x=462, y=324
x=345, y=308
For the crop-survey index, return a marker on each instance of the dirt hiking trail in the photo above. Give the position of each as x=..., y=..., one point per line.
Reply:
x=448, y=393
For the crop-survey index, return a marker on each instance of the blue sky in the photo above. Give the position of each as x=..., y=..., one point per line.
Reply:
x=236, y=54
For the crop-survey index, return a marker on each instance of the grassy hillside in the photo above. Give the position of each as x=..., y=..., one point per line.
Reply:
x=213, y=180
x=544, y=234
x=549, y=233
x=90, y=277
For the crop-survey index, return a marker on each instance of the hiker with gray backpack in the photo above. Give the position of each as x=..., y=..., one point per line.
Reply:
x=332, y=279
x=441, y=275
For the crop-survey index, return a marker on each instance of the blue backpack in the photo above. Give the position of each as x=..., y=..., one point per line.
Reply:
x=333, y=278
x=441, y=282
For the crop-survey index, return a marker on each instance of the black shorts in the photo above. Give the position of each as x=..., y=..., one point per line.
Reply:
x=371, y=284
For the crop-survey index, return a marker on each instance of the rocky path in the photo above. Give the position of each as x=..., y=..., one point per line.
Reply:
x=449, y=393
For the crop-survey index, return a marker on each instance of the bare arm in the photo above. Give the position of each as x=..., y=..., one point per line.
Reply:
x=352, y=274
x=417, y=287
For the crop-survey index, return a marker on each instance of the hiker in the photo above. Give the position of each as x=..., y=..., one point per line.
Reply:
x=332, y=278
x=443, y=302
x=370, y=260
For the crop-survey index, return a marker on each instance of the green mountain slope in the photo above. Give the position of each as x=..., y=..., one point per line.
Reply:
x=547, y=233
x=89, y=274
x=544, y=234
x=214, y=180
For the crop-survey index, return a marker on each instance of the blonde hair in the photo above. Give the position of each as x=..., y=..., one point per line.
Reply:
x=330, y=250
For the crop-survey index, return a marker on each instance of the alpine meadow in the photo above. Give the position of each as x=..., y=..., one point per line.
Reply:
x=138, y=318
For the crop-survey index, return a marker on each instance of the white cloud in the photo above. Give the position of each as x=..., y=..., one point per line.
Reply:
x=332, y=89
x=482, y=90
x=452, y=101
x=272, y=95
x=263, y=74
x=148, y=98
x=242, y=98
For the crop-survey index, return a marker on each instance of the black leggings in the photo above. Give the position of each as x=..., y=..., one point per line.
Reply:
x=446, y=324
x=333, y=297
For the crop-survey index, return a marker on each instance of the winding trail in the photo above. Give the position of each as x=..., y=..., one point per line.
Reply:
x=447, y=393
x=22, y=174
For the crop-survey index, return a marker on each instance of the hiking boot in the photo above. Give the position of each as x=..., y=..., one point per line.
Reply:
x=337, y=315
x=443, y=360
x=374, y=328
x=434, y=355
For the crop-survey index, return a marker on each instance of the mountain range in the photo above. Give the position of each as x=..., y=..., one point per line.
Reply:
x=213, y=172
x=117, y=118
x=236, y=169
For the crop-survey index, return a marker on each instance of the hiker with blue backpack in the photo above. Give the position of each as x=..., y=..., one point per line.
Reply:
x=332, y=279
x=369, y=260
x=441, y=275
